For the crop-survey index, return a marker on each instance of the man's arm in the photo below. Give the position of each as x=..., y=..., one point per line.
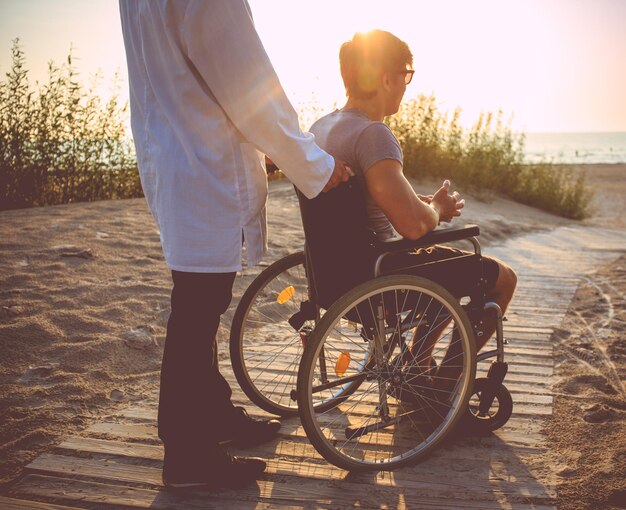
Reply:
x=410, y=216
x=226, y=51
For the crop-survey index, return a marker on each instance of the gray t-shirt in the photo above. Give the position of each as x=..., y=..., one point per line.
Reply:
x=348, y=135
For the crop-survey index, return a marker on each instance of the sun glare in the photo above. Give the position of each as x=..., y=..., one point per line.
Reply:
x=555, y=65
x=471, y=59
x=481, y=56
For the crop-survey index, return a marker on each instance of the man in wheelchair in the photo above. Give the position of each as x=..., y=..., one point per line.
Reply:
x=376, y=67
x=375, y=338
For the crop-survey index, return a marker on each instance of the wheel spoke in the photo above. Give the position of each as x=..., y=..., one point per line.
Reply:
x=265, y=348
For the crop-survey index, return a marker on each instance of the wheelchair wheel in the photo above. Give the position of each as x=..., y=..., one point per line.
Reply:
x=404, y=348
x=498, y=414
x=265, y=350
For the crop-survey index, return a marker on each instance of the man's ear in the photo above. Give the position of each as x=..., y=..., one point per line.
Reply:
x=385, y=81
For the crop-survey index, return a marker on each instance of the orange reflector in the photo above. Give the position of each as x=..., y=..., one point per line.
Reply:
x=285, y=295
x=342, y=363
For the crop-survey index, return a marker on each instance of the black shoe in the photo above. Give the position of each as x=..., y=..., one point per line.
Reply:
x=244, y=431
x=227, y=472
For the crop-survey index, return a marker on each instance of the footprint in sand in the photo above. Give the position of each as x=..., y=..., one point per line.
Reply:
x=598, y=413
x=69, y=250
x=567, y=472
x=116, y=395
x=141, y=337
x=43, y=371
x=11, y=311
x=561, y=333
x=580, y=384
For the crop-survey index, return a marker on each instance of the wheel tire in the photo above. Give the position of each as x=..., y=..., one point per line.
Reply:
x=326, y=426
x=255, y=336
x=494, y=420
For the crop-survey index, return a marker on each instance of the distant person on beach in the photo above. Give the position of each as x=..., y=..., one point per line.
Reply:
x=376, y=68
x=206, y=104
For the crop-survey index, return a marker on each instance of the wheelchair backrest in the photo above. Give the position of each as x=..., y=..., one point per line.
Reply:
x=339, y=247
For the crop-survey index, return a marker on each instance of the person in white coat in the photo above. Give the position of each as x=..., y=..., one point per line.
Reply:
x=206, y=106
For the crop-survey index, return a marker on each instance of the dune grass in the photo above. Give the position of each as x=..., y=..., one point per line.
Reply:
x=60, y=143
x=486, y=159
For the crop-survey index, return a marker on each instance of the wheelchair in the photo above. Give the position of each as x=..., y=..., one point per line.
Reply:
x=379, y=367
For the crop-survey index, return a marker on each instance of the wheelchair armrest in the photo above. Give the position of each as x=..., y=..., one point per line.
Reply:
x=439, y=236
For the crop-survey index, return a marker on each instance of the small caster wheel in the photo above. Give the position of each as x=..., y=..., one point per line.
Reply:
x=498, y=414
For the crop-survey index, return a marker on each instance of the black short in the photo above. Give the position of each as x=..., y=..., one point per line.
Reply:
x=458, y=271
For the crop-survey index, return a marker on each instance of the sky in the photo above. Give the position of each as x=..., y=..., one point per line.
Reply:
x=553, y=65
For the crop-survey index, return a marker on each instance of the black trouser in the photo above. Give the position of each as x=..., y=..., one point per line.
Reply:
x=194, y=402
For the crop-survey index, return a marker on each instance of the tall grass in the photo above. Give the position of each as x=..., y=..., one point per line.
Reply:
x=488, y=158
x=60, y=143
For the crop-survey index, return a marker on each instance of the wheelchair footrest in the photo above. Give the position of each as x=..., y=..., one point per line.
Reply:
x=495, y=377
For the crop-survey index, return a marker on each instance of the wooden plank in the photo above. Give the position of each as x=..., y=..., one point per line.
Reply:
x=528, y=390
x=528, y=329
x=265, y=494
x=523, y=346
x=451, y=451
x=531, y=337
x=518, y=368
x=522, y=309
x=522, y=365
x=268, y=368
x=145, y=433
x=20, y=504
x=521, y=432
x=109, y=447
x=528, y=379
x=521, y=395
x=97, y=493
x=527, y=297
x=521, y=321
x=555, y=289
x=523, y=405
x=286, y=352
x=518, y=373
x=419, y=480
x=60, y=465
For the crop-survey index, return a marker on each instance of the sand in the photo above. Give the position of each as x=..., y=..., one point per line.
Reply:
x=587, y=431
x=84, y=301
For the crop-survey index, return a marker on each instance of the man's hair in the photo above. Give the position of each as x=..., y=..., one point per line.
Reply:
x=363, y=58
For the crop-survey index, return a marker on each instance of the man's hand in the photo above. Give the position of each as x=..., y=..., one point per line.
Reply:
x=448, y=206
x=425, y=198
x=341, y=173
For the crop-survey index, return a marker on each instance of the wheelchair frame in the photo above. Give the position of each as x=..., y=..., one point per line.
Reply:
x=491, y=388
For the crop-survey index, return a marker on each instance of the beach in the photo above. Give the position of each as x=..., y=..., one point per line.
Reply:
x=84, y=302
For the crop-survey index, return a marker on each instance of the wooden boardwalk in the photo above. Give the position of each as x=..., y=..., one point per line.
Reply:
x=117, y=463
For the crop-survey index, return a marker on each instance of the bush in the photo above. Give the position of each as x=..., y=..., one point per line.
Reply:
x=486, y=158
x=60, y=144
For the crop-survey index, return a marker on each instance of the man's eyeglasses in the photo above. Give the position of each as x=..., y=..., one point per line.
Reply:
x=408, y=75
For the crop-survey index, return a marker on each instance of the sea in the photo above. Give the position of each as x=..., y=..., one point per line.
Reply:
x=588, y=148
